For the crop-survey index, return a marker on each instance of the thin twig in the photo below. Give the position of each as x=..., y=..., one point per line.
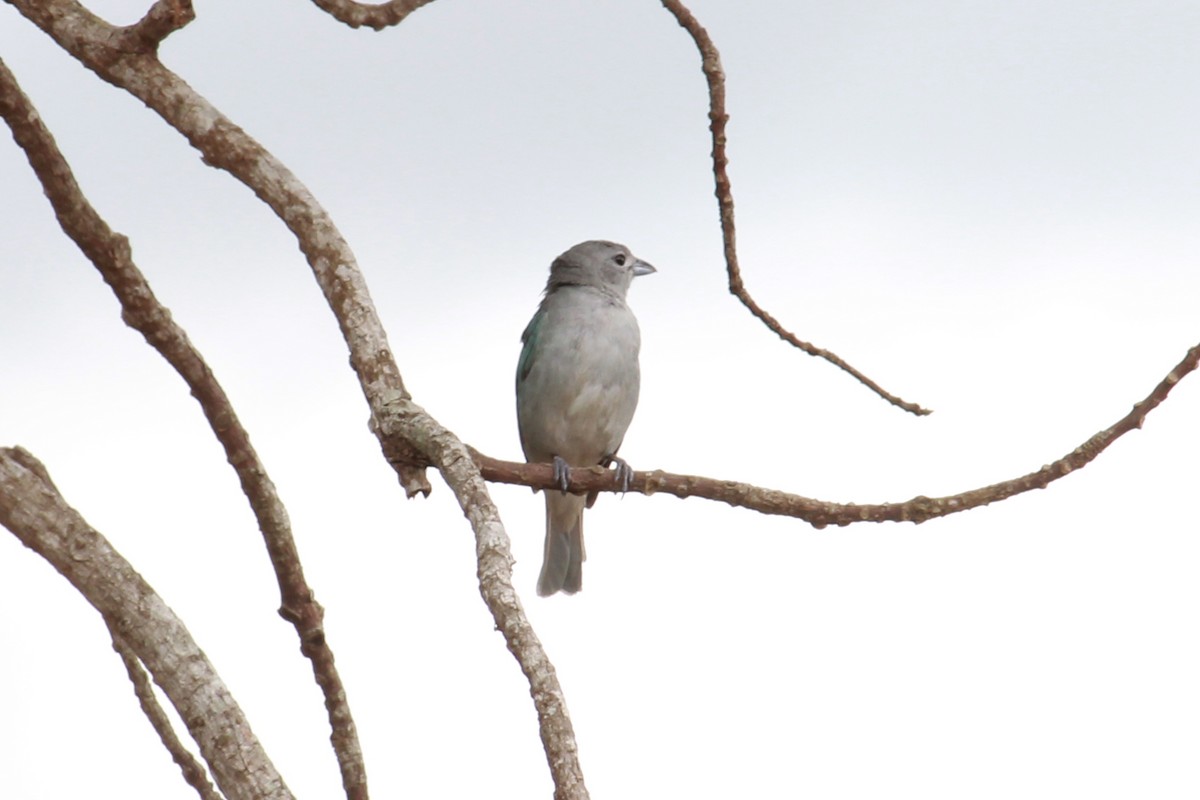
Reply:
x=193, y=770
x=710, y=63
x=141, y=310
x=820, y=513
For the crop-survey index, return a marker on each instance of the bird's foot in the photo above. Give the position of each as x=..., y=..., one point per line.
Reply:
x=623, y=472
x=562, y=474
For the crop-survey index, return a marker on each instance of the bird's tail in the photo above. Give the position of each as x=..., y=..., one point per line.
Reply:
x=562, y=561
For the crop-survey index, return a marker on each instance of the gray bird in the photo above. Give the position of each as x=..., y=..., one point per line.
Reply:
x=577, y=388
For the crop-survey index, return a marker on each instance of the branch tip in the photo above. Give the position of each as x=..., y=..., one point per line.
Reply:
x=714, y=73
x=164, y=18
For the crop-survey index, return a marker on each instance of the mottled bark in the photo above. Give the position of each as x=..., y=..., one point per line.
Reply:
x=32, y=508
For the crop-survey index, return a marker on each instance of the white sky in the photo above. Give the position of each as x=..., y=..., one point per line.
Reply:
x=991, y=208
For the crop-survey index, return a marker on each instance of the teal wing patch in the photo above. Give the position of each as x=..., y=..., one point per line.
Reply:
x=529, y=339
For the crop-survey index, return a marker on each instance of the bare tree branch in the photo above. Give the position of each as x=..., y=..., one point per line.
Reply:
x=820, y=513
x=141, y=310
x=371, y=15
x=718, y=118
x=494, y=553
x=383, y=15
x=32, y=508
x=193, y=771
x=164, y=18
x=409, y=436
x=224, y=145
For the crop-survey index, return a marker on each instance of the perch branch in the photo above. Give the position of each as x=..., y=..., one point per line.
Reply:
x=820, y=513
x=141, y=310
x=710, y=63
x=32, y=508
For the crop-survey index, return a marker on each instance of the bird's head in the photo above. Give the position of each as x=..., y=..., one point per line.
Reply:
x=605, y=265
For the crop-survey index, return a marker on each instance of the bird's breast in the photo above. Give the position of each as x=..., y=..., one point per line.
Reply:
x=580, y=394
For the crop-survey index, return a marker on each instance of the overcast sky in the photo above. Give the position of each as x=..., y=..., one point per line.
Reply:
x=990, y=208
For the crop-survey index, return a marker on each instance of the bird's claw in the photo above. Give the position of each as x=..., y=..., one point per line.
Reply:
x=562, y=474
x=623, y=473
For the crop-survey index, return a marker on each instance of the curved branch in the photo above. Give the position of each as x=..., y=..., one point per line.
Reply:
x=409, y=437
x=718, y=118
x=32, y=508
x=494, y=555
x=141, y=310
x=820, y=513
x=371, y=15
x=224, y=145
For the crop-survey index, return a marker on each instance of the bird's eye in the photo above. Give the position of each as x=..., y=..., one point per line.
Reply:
x=620, y=259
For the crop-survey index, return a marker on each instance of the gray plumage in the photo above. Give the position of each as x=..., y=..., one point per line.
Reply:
x=577, y=388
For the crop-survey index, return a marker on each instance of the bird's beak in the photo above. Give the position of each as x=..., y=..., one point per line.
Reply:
x=642, y=268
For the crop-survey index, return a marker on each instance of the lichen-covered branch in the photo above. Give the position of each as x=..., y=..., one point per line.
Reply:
x=821, y=513
x=710, y=63
x=493, y=552
x=32, y=508
x=193, y=770
x=111, y=254
x=410, y=438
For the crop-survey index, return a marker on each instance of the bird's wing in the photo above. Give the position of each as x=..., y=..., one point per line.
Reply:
x=529, y=339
